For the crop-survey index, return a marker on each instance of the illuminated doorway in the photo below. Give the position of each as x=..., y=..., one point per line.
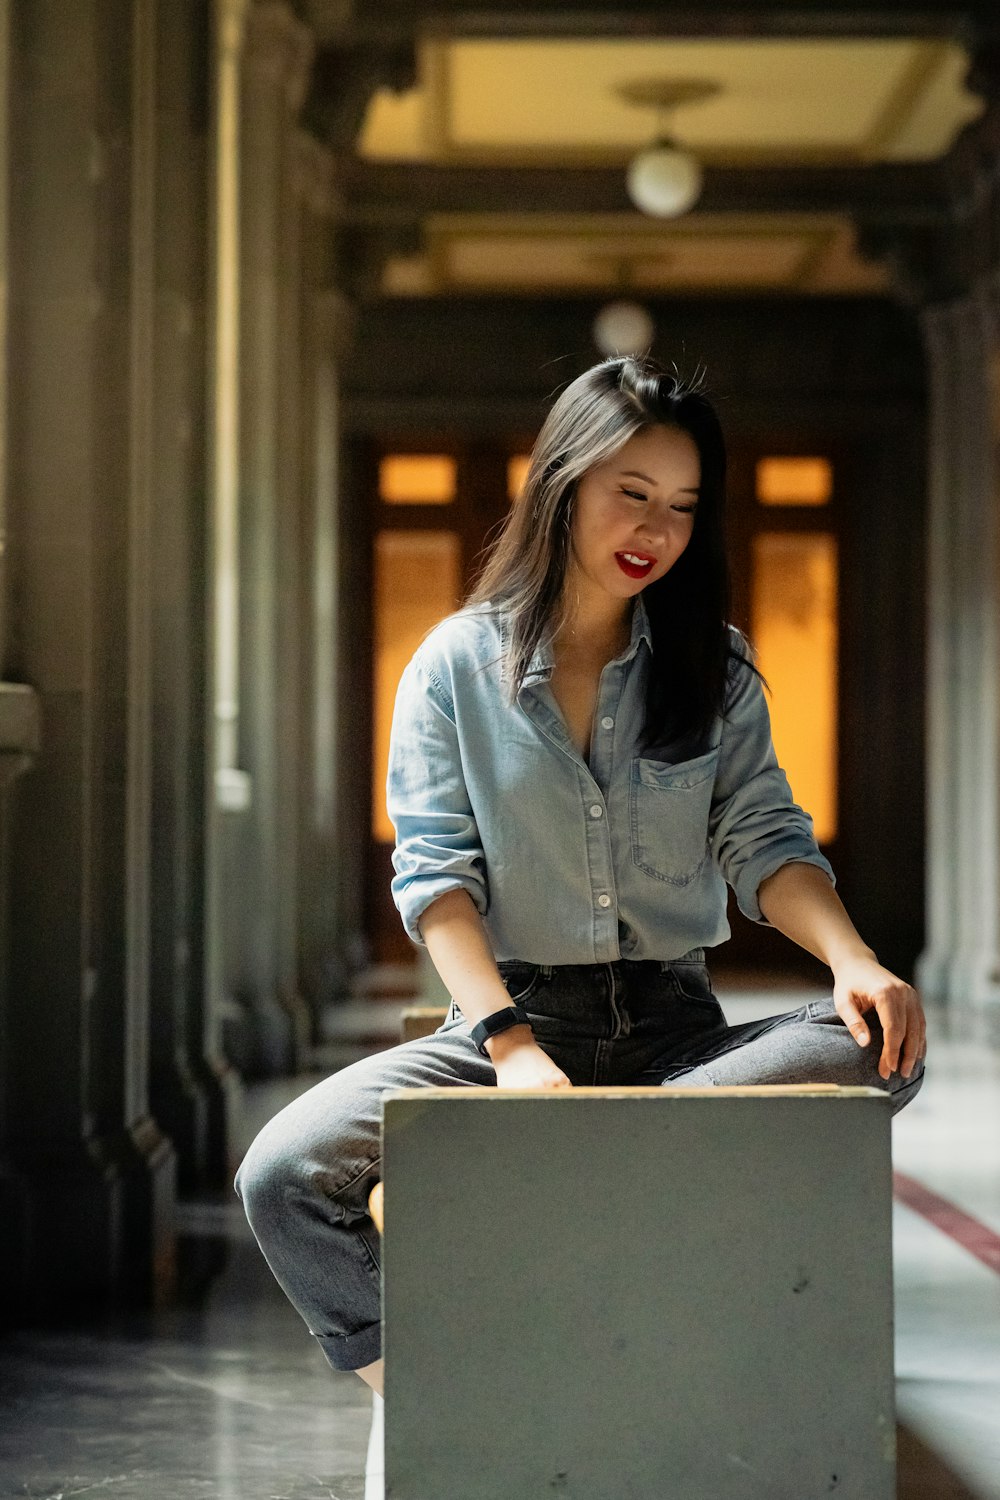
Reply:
x=437, y=505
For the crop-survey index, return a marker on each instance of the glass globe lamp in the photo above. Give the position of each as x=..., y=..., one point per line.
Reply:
x=623, y=327
x=664, y=180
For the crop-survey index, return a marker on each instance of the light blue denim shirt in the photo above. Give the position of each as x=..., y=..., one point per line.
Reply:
x=569, y=863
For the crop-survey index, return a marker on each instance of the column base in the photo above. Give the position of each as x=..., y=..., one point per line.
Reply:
x=258, y=1036
x=974, y=980
x=90, y=1229
x=191, y=1103
x=965, y=988
x=932, y=975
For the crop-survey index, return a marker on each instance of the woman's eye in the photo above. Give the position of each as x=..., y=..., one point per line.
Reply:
x=686, y=510
x=633, y=494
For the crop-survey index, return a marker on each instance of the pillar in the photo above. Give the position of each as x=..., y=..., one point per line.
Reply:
x=265, y=1029
x=188, y=1083
x=960, y=965
x=92, y=1173
x=328, y=879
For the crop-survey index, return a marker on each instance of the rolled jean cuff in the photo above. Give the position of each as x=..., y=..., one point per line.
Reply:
x=352, y=1351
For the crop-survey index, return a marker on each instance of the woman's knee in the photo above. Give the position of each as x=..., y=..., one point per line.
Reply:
x=263, y=1182
x=285, y=1174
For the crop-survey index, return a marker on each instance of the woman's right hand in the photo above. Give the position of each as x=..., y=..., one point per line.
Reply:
x=527, y=1066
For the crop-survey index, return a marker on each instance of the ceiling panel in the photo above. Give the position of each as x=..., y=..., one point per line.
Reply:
x=800, y=253
x=493, y=102
x=785, y=100
x=562, y=94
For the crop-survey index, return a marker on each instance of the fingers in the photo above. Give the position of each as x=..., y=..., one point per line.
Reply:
x=900, y=1014
x=915, y=1045
x=911, y=1053
x=904, y=1031
x=852, y=1019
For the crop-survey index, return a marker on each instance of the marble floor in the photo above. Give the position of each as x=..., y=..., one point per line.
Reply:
x=226, y=1397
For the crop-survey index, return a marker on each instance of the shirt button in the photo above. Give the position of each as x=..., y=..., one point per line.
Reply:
x=607, y=722
x=596, y=810
x=604, y=900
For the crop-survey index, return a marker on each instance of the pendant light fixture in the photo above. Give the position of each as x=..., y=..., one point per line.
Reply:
x=623, y=326
x=665, y=180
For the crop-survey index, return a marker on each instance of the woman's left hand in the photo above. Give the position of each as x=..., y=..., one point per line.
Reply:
x=861, y=984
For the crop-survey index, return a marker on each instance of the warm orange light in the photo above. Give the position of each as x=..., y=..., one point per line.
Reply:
x=794, y=481
x=794, y=627
x=517, y=473
x=417, y=479
x=416, y=584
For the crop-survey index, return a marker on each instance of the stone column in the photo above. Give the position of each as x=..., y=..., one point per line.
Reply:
x=264, y=1028
x=93, y=1173
x=4, y=296
x=298, y=172
x=328, y=327
x=20, y=728
x=187, y=1087
x=961, y=961
x=225, y=787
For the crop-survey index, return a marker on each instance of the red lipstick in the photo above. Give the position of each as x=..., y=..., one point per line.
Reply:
x=632, y=569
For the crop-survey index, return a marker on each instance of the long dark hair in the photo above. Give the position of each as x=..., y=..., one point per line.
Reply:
x=688, y=607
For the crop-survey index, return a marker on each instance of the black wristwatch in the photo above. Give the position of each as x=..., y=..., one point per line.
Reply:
x=500, y=1020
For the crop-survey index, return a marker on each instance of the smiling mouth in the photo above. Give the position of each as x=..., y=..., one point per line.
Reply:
x=634, y=564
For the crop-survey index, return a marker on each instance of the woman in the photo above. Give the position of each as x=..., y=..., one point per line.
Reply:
x=581, y=758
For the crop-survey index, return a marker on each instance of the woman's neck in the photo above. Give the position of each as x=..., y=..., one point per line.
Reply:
x=595, y=629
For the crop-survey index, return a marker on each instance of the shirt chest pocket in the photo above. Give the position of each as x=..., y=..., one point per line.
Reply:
x=669, y=808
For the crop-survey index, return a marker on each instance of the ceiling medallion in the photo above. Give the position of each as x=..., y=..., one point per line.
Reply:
x=664, y=180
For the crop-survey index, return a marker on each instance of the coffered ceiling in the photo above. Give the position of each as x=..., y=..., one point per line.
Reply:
x=779, y=100
x=546, y=103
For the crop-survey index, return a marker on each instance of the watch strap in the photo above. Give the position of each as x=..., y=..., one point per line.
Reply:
x=500, y=1020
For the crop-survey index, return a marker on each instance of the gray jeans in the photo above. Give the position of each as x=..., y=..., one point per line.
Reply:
x=305, y=1181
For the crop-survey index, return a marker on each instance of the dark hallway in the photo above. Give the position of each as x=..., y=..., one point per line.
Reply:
x=287, y=289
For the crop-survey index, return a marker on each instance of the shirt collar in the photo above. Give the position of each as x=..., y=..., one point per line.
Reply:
x=543, y=661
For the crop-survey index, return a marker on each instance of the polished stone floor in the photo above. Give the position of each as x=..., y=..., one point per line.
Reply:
x=232, y=1400
x=228, y=1398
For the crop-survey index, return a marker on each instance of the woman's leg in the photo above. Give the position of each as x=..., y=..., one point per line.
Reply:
x=809, y=1045
x=306, y=1178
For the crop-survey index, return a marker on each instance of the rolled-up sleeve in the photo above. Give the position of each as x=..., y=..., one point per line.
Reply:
x=438, y=847
x=755, y=827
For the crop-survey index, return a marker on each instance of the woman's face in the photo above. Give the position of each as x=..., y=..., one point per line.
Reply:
x=634, y=515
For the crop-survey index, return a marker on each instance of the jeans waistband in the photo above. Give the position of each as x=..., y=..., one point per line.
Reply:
x=622, y=965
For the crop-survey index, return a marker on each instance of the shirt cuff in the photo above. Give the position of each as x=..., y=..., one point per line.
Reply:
x=416, y=893
x=757, y=869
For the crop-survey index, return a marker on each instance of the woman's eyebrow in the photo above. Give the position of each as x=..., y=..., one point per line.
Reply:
x=634, y=474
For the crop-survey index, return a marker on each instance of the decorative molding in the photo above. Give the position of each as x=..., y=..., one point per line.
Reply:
x=983, y=77
x=278, y=50
x=915, y=259
x=677, y=18
x=935, y=263
x=361, y=254
x=344, y=80
x=315, y=175
x=20, y=731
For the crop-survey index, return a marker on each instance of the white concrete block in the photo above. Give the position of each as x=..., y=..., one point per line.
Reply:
x=638, y=1294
